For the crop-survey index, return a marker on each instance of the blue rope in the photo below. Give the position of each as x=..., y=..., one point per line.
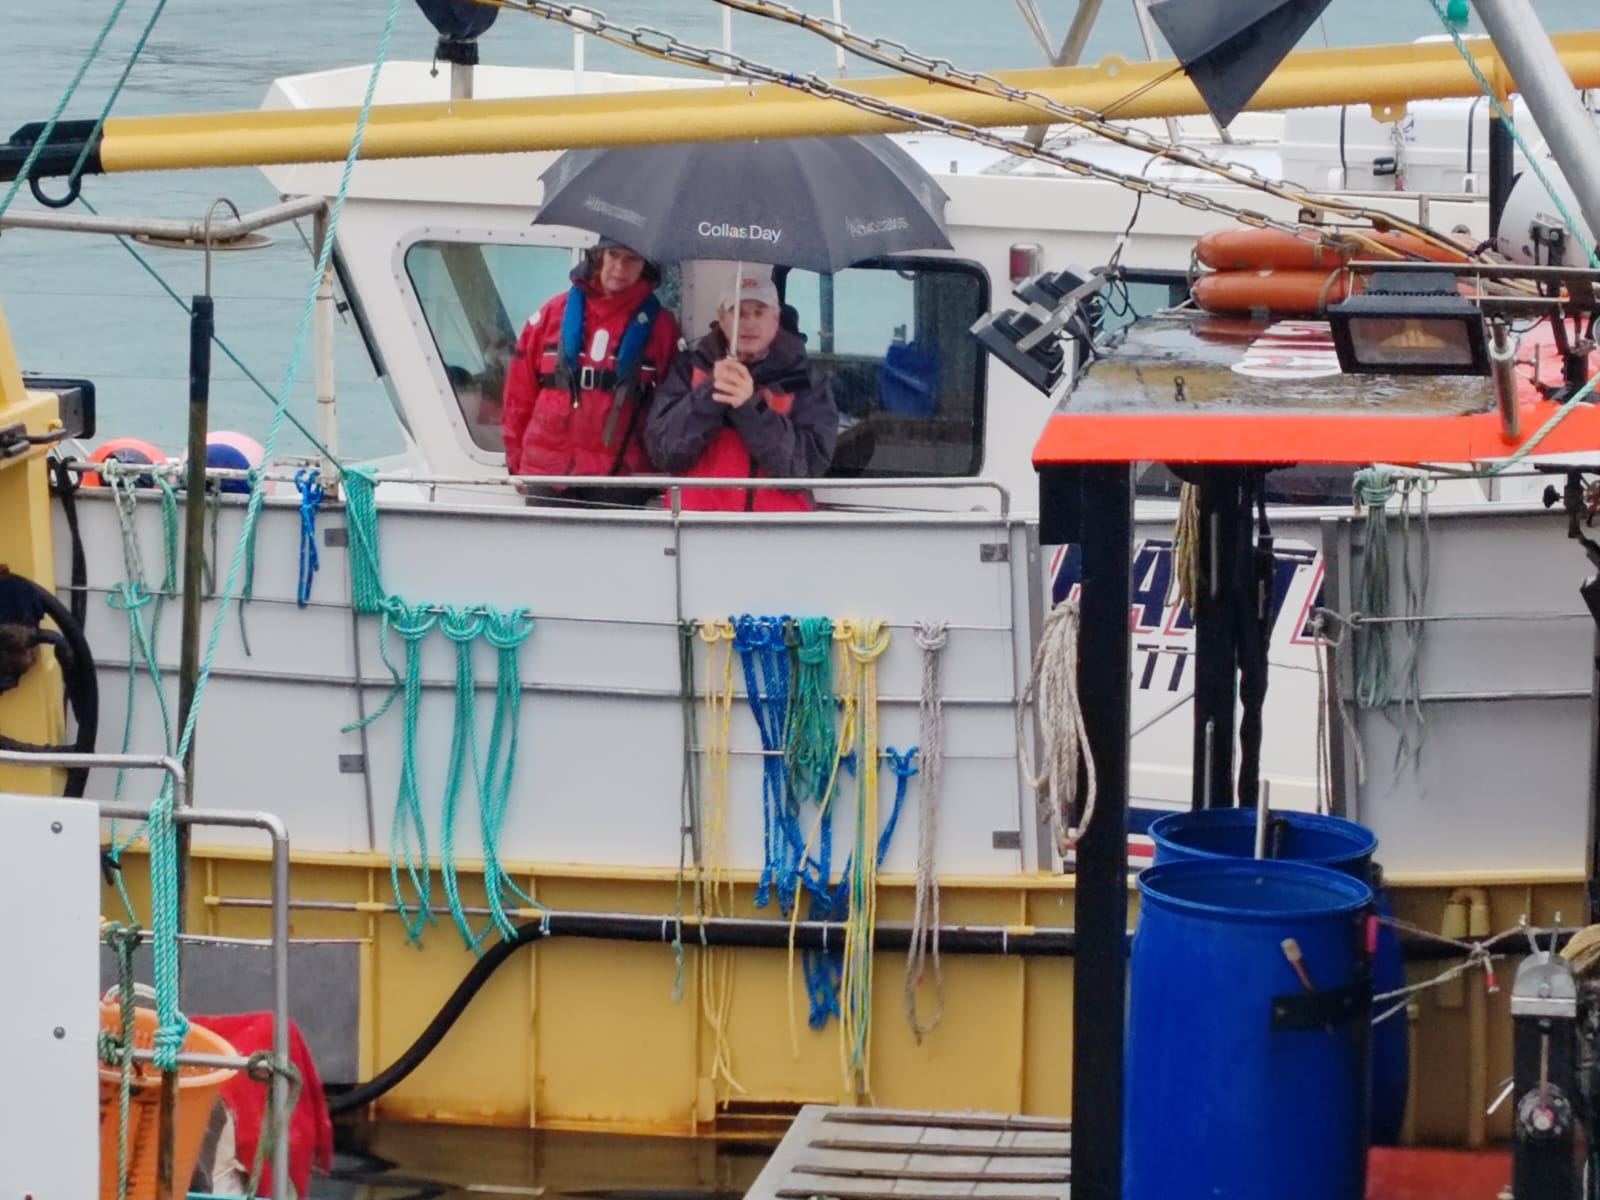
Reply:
x=765, y=660
x=310, y=501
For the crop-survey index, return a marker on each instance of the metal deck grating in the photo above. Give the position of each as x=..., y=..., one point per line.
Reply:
x=875, y=1154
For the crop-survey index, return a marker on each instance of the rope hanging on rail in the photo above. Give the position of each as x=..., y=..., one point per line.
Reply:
x=309, y=484
x=1380, y=682
x=1063, y=740
x=713, y=885
x=855, y=1019
x=931, y=638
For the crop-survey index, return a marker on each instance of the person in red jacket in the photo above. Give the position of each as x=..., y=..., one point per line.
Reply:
x=763, y=410
x=582, y=375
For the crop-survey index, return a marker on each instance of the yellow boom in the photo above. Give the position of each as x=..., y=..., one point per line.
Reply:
x=1386, y=77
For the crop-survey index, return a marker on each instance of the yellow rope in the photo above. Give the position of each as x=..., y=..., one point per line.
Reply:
x=855, y=1023
x=1186, y=545
x=716, y=966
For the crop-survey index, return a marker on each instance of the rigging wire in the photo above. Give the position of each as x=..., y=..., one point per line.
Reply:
x=901, y=58
x=666, y=47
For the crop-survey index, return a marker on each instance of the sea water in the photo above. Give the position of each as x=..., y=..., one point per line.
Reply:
x=81, y=305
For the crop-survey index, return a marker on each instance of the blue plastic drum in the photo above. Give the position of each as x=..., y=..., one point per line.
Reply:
x=1241, y=1084
x=1313, y=838
x=1329, y=842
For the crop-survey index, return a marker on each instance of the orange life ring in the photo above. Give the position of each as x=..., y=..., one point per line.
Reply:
x=1275, y=292
x=1273, y=249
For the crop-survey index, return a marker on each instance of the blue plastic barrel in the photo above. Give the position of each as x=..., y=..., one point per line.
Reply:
x=1220, y=1103
x=1326, y=841
x=1313, y=838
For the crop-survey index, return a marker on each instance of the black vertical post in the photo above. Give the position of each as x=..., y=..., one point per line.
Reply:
x=1216, y=686
x=1590, y=590
x=1099, y=993
x=201, y=328
x=1501, y=161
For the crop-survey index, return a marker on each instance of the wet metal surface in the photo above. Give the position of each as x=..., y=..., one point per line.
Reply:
x=394, y=1161
x=1192, y=362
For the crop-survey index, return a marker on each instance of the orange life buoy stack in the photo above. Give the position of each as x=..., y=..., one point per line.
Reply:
x=1276, y=273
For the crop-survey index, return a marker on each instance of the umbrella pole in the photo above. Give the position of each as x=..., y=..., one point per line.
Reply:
x=738, y=303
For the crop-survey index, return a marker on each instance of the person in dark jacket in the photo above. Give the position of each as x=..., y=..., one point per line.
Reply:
x=581, y=377
x=763, y=410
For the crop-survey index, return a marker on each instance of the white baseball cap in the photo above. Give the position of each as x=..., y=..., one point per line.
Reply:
x=754, y=284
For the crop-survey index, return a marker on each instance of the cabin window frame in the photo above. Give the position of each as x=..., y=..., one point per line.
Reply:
x=978, y=429
x=554, y=237
x=574, y=241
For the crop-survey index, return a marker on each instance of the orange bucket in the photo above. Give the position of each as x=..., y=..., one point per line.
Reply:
x=197, y=1095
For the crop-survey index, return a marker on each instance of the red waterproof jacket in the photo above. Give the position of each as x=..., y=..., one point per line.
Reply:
x=556, y=427
x=786, y=430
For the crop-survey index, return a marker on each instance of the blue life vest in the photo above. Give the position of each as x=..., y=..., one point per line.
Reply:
x=634, y=338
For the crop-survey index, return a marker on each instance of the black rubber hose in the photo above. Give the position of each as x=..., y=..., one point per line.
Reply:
x=82, y=687
x=65, y=487
x=749, y=933
x=727, y=931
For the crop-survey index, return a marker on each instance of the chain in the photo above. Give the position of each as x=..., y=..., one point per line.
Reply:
x=660, y=44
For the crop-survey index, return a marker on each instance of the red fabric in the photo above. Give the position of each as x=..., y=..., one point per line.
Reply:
x=1411, y=1174
x=727, y=457
x=544, y=433
x=310, y=1129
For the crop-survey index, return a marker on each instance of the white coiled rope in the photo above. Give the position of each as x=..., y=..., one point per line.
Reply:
x=931, y=637
x=1063, y=740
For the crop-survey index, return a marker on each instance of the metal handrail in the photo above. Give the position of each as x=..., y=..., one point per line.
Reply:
x=668, y=483
x=184, y=815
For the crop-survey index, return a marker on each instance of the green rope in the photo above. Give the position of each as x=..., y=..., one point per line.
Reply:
x=50, y=126
x=462, y=629
x=116, y=1050
x=161, y=829
x=408, y=838
x=811, y=741
x=506, y=633
x=361, y=516
x=1505, y=118
x=100, y=122
x=1375, y=671
x=689, y=812
x=262, y=1067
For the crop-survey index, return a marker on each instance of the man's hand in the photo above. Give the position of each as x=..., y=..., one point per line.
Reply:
x=731, y=383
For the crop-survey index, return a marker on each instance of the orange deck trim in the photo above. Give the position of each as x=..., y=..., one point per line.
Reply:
x=1257, y=437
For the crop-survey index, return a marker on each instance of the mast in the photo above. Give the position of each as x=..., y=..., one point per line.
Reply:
x=1551, y=96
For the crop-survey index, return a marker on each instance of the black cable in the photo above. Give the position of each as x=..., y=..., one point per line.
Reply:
x=65, y=485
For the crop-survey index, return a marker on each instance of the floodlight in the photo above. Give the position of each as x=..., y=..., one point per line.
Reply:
x=1409, y=325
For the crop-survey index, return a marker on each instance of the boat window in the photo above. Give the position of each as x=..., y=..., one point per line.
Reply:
x=476, y=299
x=907, y=377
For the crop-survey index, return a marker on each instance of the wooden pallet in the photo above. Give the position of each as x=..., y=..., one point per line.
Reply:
x=875, y=1154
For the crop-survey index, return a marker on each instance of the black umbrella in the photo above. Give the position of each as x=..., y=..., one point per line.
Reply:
x=815, y=203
